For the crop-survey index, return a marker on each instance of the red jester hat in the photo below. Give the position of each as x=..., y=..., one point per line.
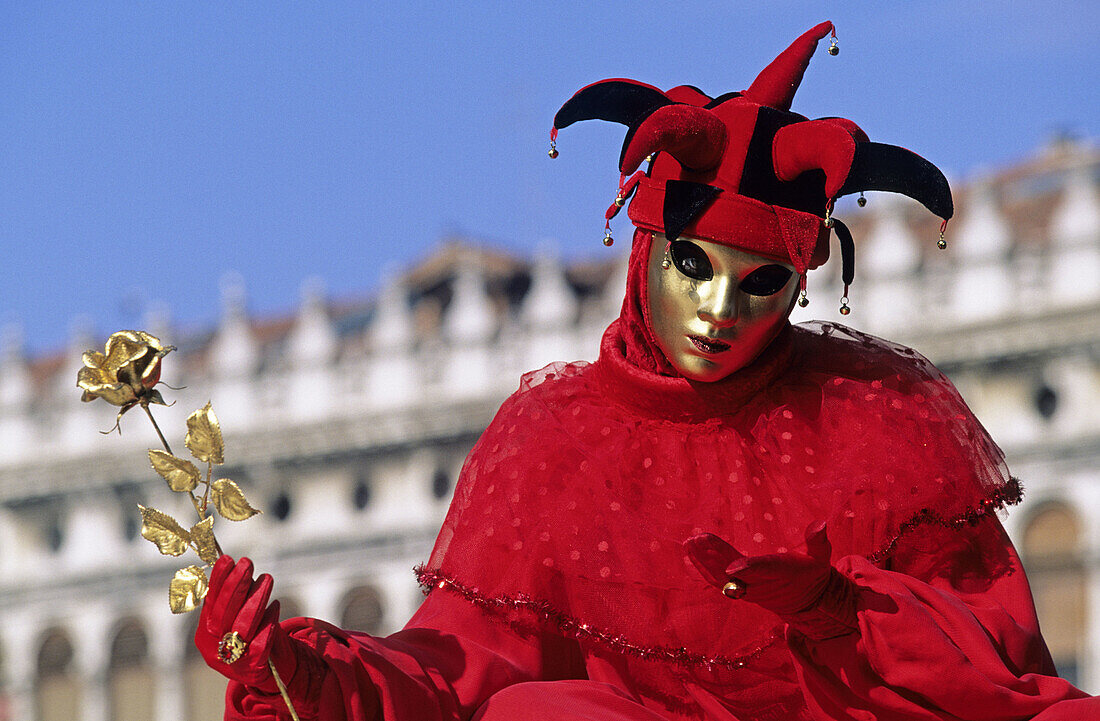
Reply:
x=742, y=169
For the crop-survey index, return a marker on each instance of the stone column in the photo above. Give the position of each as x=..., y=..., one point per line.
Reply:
x=1089, y=673
x=394, y=603
x=92, y=649
x=166, y=655
x=19, y=666
x=321, y=596
x=1086, y=495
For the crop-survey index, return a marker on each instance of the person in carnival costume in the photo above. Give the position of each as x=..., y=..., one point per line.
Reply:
x=725, y=516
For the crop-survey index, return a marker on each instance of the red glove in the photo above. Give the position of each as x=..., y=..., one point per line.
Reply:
x=804, y=590
x=236, y=602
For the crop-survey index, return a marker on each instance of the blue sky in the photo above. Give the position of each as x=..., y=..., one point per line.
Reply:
x=150, y=148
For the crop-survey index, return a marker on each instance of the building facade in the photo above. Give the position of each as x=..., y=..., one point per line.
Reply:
x=348, y=423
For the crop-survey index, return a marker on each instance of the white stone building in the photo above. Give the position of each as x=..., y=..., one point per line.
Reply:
x=348, y=423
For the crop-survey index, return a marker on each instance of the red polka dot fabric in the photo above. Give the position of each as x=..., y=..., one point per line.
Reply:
x=590, y=523
x=571, y=509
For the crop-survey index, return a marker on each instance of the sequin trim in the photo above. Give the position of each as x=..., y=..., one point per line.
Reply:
x=1009, y=494
x=573, y=628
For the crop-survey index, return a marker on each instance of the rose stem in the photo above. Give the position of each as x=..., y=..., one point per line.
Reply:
x=282, y=690
x=157, y=429
x=217, y=546
x=206, y=491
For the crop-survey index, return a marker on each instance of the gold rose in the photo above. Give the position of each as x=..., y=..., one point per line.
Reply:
x=125, y=375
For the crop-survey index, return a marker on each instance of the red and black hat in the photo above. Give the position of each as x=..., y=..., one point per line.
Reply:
x=742, y=169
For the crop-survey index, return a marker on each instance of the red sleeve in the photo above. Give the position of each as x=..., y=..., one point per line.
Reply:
x=443, y=665
x=948, y=631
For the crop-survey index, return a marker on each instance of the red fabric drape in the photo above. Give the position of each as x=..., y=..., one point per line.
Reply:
x=561, y=556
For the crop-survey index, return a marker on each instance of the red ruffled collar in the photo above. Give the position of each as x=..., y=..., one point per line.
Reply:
x=676, y=398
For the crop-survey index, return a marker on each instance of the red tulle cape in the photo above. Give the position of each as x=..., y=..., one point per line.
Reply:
x=571, y=509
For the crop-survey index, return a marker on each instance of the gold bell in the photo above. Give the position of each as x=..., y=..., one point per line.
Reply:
x=844, y=309
x=834, y=49
x=803, y=301
x=861, y=201
x=733, y=589
x=607, y=239
x=619, y=201
x=942, y=242
x=553, y=152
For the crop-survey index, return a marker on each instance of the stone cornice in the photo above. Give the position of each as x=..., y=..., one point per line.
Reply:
x=310, y=443
x=1013, y=338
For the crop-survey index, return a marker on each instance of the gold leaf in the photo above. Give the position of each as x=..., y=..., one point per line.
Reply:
x=187, y=589
x=181, y=474
x=230, y=501
x=202, y=537
x=204, y=436
x=169, y=536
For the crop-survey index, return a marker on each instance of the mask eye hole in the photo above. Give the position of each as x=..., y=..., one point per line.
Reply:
x=691, y=260
x=766, y=280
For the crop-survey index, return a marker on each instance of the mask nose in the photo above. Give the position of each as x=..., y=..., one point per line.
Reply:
x=718, y=304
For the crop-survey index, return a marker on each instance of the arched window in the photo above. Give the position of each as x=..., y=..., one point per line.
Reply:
x=441, y=484
x=5, y=698
x=1051, y=552
x=362, y=610
x=281, y=506
x=131, y=679
x=361, y=493
x=57, y=692
x=1046, y=401
x=53, y=532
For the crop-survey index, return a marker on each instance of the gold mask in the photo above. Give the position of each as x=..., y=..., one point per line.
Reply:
x=714, y=308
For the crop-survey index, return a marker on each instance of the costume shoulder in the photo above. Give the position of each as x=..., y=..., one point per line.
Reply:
x=543, y=395
x=533, y=426
x=907, y=446
x=847, y=352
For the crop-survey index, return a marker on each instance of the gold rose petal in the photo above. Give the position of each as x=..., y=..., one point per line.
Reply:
x=93, y=359
x=165, y=532
x=187, y=588
x=204, y=436
x=117, y=394
x=121, y=351
x=202, y=538
x=230, y=501
x=140, y=336
x=95, y=386
x=90, y=377
x=181, y=474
